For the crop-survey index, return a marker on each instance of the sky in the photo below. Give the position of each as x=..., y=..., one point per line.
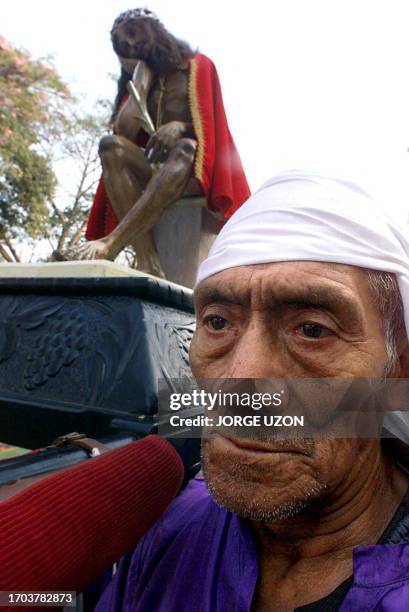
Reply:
x=313, y=84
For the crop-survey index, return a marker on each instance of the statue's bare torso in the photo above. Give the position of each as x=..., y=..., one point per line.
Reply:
x=174, y=105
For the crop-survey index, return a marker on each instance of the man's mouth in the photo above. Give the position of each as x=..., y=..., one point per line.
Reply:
x=260, y=447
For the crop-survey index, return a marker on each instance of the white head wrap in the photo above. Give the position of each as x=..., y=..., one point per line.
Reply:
x=302, y=216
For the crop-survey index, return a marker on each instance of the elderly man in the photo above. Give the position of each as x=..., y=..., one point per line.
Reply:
x=307, y=280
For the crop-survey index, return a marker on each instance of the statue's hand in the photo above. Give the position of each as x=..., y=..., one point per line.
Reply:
x=95, y=249
x=162, y=141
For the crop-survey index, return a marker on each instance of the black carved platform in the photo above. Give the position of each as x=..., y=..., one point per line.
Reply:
x=85, y=354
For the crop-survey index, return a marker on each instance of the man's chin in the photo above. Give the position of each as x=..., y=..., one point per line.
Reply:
x=252, y=501
x=258, y=485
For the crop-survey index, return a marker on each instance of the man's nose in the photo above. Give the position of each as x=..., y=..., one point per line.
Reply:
x=256, y=355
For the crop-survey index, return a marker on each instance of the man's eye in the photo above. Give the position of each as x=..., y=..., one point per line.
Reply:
x=216, y=322
x=312, y=330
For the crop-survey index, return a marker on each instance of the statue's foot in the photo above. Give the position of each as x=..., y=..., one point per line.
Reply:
x=94, y=249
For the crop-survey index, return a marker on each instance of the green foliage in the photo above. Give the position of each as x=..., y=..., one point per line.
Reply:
x=33, y=102
x=27, y=182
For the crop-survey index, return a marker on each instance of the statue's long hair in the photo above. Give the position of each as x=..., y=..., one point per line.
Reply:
x=162, y=51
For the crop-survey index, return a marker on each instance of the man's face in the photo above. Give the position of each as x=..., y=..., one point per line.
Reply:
x=284, y=320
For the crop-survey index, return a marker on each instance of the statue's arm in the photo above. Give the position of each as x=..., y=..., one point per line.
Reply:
x=164, y=139
x=189, y=131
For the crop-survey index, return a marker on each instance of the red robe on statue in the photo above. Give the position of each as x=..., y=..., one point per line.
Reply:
x=217, y=163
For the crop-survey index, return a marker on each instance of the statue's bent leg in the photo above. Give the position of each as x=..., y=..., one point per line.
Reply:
x=163, y=190
x=126, y=172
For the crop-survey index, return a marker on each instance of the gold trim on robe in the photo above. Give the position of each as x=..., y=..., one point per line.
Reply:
x=196, y=118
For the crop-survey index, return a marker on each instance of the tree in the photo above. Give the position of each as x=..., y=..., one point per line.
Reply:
x=43, y=135
x=79, y=164
x=32, y=118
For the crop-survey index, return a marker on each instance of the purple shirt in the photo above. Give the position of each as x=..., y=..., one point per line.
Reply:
x=201, y=558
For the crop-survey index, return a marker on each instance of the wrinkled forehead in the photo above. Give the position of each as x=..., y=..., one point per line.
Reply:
x=281, y=281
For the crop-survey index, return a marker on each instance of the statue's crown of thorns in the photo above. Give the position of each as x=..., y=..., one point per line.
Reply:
x=138, y=13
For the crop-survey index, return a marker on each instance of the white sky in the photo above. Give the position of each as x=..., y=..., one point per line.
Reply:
x=316, y=84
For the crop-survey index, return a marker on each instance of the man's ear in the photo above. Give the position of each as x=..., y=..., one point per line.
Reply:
x=394, y=394
x=402, y=364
